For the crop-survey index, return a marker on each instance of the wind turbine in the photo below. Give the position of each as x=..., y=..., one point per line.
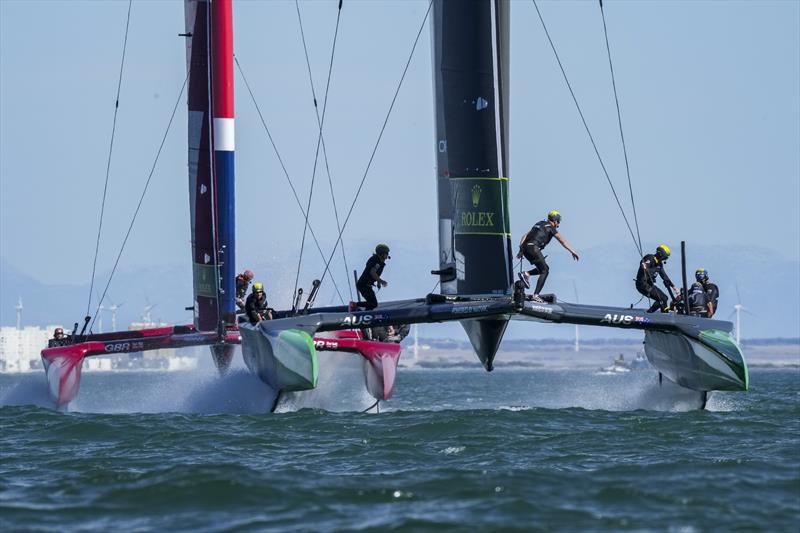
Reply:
x=146, y=318
x=18, y=307
x=100, y=309
x=113, y=308
x=737, y=309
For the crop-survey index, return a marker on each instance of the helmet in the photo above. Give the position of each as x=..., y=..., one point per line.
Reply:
x=58, y=331
x=382, y=249
x=554, y=216
x=662, y=252
x=248, y=274
x=258, y=287
x=701, y=275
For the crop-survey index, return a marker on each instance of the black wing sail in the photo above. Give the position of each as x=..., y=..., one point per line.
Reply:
x=470, y=62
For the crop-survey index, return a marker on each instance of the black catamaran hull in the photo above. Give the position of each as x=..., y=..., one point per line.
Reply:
x=695, y=353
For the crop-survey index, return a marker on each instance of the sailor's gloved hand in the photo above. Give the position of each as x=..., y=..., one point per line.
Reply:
x=382, y=283
x=575, y=256
x=519, y=254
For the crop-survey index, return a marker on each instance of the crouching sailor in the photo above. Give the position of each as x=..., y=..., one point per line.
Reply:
x=531, y=247
x=703, y=295
x=651, y=266
x=59, y=339
x=256, y=306
x=242, y=283
x=372, y=275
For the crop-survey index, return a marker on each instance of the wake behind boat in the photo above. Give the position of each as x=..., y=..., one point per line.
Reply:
x=475, y=264
x=211, y=143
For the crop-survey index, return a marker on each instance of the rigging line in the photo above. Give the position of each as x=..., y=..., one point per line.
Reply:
x=141, y=198
x=108, y=163
x=320, y=141
x=212, y=182
x=621, y=135
x=316, y=157
x=283, y=166
x=378, y=141
x=586, y=126
x=325, y=156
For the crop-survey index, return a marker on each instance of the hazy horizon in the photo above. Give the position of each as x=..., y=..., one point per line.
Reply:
x=710, y=102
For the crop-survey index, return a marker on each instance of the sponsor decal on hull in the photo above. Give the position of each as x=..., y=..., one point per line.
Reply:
x=617, y=319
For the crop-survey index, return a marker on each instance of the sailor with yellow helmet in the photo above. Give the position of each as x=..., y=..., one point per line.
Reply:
x=650, y=267
x=256, y=305
x=531, y=247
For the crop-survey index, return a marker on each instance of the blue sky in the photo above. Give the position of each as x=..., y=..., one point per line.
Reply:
x=710, y=97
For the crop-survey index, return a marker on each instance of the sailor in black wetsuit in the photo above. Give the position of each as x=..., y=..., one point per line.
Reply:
x=59, y=339
x=242, y=283
x=703, y=295
x=531, y=247
x=256, y=306
x=651, y=266
x=371, y=275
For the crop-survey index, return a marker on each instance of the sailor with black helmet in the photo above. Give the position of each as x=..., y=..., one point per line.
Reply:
x=531, y=247
x=372, y=275
x=651, y=266
x=703, y=295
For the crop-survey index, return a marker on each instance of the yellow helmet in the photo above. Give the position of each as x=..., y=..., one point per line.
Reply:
x=554, y=215
x=258, y=287
x=662, y=252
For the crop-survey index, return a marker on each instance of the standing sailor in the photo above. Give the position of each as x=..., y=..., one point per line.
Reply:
x=372, y=275
x=256, y=305
x=651, y=266
x=242, y=283
x=703, y=295
x=531, y=247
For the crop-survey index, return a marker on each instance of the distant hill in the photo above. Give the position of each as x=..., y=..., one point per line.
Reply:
x=768, y=283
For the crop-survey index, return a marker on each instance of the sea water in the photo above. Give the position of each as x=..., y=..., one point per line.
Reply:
x=455, y=449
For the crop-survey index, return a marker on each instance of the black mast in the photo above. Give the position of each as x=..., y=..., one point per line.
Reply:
x=470, y=66
x=470, y=47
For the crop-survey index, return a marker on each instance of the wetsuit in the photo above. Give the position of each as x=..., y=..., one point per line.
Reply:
x=241, y=290
x=698, y=300
x=256, y=309
x=365, y=282
x=650, y=267
x=712, y=295
x=538, y=237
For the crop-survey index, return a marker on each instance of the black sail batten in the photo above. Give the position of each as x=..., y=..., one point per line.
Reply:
x=470, y=61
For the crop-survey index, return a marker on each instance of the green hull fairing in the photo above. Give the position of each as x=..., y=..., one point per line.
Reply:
x=712, y=361
x=285, y=360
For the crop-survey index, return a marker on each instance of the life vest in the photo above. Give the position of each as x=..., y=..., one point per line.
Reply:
x=698, y=299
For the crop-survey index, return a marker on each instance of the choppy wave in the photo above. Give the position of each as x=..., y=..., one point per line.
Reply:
x=455, y=450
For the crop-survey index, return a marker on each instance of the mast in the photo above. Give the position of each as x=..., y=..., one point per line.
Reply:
x=222, y=111
x=470, y=47
x=209, y=55
x=470, y=67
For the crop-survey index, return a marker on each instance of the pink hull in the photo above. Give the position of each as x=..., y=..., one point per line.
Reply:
x=63, y=364
x=381, y=358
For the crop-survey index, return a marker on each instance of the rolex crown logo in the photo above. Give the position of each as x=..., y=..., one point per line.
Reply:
x=476, y=195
